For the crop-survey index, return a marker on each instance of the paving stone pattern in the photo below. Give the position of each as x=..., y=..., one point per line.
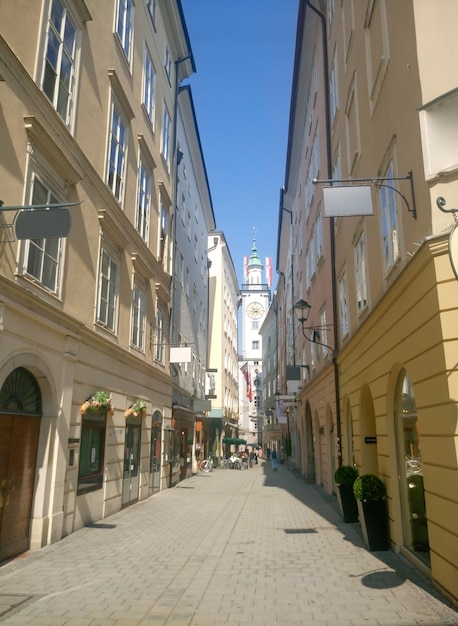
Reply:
x=229, y=547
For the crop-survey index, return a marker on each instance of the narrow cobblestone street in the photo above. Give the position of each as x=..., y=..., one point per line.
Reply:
x=228, y=547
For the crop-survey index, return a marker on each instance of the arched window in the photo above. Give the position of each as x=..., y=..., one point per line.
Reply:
x=20, y=393
x=410, y=469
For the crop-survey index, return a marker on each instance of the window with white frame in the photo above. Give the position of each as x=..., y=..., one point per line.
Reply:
x=107, y=301
x=43, y=257
x=334, y=90
x=160, y=336
x=124, y=26
x=138, y=317
x=151, y=6
x=149, y=83
x=389, y=222
x=361, y=273
x=164, y=238
x=343, y=304
x=144, y=201
x=319, y=236
x=117, y=149
x=165, y=136
x=58, y=81
x=168, y=63
x=330, y=11
x=323, y=334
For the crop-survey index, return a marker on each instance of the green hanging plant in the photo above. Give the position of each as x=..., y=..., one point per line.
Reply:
x=100, y=399
x=136, y=409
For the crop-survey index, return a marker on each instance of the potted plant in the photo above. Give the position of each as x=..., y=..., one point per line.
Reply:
x=100, y=399
x=370, y=494
x=136, y=409
x=345, y=476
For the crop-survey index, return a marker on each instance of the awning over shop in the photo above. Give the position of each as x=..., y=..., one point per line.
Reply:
x=234, y=440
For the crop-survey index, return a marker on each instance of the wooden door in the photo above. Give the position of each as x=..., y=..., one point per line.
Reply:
x=18, y=455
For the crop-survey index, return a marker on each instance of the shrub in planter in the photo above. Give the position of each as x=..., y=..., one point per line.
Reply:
x=368, y=488
x=370, y=493
x=345, y=476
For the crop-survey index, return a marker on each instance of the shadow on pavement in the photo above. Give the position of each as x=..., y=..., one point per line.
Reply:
x=397, y=568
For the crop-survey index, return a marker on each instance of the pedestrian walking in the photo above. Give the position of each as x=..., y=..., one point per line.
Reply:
x=274, y=461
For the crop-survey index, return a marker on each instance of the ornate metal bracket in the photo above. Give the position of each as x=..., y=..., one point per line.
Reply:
x=441, y=204
x=453, y=236
x=380, y=182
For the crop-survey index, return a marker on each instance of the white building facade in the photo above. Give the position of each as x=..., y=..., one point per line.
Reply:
x=255, y=302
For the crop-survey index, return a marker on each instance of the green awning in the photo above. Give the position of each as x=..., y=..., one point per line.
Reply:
x=234, y=440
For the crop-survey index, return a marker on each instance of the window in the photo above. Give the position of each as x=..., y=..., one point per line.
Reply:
x=323, y=335
x=164, y=239
x=165, y=137
x=43, y=256
x=389, y=222
x=159, y=348
x=151, y=6
x=90, y=471
x=108, y=291
x=168, y=63
x=334, y=90
x=255, y=345
x=117, y=154
x=319, y=237
x=361, y=273
x=59, y=68
x=124, y=22
x=138, y=317
x=343, y=304
x=149, y=81
x=144, y=202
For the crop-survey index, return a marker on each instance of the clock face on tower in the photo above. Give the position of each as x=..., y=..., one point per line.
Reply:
x=255, y=310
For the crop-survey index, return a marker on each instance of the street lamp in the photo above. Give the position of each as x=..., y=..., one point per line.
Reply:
x=302, y=310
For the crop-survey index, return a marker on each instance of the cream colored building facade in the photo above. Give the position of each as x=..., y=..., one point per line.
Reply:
x=381, y=393
x=88, y=92
x=222, y=374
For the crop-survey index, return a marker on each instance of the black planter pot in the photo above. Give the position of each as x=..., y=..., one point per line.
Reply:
x=347, y=502
x=373, y=517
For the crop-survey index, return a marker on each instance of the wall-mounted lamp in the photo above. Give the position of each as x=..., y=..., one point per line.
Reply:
x=302, y=310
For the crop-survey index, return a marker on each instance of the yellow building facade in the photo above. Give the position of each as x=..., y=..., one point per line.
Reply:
x=371, y=106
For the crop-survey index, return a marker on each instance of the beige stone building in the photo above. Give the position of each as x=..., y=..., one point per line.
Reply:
x=377, y=103
x=222, y=374
x=88, y=101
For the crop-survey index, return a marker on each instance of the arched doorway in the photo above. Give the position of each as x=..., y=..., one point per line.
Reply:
x=368, y=437
x=155, y=457
x=20, y=413
x=349, y=443
x=310, y=472
x=410, y=469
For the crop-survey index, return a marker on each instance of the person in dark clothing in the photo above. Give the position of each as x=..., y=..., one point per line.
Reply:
x=274, y=461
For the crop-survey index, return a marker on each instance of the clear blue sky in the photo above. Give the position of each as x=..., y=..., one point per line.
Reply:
x=244, y=56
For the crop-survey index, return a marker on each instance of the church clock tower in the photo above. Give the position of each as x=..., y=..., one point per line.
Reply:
x=255, y=302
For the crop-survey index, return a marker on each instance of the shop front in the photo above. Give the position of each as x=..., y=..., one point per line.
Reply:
x=184, y=425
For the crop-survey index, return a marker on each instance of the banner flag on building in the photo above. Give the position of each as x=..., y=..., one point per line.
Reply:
x=269, y=270
x=245, y=267
x=246, y=376
x=281, y=409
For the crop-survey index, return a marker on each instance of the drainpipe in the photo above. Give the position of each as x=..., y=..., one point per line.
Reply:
x=332, y=230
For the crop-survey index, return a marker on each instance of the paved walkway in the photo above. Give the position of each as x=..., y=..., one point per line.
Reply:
x=230, y=547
